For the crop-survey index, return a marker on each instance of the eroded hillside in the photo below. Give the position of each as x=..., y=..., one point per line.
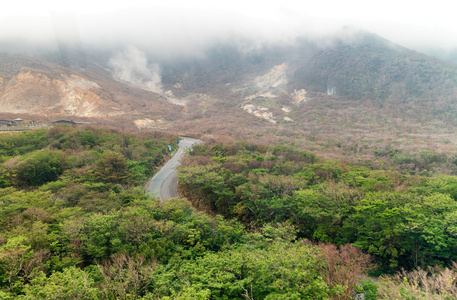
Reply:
x=62, y=95
x=32, y=85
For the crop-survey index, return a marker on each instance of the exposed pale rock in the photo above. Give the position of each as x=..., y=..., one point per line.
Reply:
x=143, y=123
x=260, y=112
x=275, y=78
x=65, y=94
x=331, y=91
x=147, y=123
x=168, y=95
x=270, y=84
x=298, y=96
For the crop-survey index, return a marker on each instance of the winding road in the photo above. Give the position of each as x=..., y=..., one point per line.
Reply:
x=164, y=184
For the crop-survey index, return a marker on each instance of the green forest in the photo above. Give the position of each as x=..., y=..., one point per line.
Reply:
x=257, y=222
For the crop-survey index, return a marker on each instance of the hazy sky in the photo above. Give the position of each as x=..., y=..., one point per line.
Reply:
x=176, y=26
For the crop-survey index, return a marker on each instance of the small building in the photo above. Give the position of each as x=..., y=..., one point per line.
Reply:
x=7, y=123
x=64, y=122
x=18, y=120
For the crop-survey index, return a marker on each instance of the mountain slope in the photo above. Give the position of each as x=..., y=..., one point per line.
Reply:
x=30, y=84
x=361, y=67
x=254, y=89
x=371, y=67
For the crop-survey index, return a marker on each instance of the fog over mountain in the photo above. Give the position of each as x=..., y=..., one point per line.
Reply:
x=159, y=62
x=180, y=28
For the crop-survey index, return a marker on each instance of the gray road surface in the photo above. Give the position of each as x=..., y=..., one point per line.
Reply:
x=164, y=184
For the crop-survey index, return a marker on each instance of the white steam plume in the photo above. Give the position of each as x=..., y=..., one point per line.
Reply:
x=131, y=65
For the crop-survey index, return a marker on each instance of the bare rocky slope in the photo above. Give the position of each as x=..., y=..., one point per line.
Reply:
x=32, y=85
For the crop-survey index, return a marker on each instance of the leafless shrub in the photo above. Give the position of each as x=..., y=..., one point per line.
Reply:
x=36, y=214
x=254, y=164
x=123, y=275
x=57, y=130
x=11, y=163
x=344, y=266
x=235, y=167
x=341, y=192
x=72, y=230
x=35, y=263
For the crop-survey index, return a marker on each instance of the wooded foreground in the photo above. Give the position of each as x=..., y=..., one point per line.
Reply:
x=264, y=223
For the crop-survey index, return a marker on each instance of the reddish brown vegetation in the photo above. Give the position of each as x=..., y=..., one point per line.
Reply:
x=344, y=266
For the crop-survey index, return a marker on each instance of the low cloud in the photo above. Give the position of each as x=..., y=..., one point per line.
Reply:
x=132, y=66
x=170, y=30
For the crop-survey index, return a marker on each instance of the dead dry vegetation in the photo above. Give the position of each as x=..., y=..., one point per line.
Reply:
x=438, y=283
x=359, y=132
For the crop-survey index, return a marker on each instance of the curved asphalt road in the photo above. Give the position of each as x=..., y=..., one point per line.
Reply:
x=164, y=184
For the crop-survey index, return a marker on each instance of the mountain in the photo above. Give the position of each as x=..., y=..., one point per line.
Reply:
x=364, y=66
x=332, y=90
x=373, y=68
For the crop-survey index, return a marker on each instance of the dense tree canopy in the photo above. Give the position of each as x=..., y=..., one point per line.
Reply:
x=272, y=223
x=403, y=221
